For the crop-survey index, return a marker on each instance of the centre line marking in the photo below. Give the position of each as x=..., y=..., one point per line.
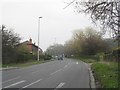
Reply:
x=10, y=79
x=60, y=85
x=32, y=83
x=15, y=84
x=65, y=66
x=55, y=71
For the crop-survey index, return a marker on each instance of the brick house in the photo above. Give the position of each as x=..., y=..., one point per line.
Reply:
x=30, y=47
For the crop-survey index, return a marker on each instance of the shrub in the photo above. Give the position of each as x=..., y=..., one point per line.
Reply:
x=22, y=57
x=47, y=57
x=112, y=56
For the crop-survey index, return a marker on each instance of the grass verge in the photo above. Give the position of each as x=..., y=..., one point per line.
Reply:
x=26, y=64
x=106, y=73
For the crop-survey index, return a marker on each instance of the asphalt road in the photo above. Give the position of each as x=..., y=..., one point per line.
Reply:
x=65, y=73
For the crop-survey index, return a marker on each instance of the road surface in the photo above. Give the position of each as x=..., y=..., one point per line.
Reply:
x=56, y=74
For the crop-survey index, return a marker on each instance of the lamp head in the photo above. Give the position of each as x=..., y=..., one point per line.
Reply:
x=40, y=17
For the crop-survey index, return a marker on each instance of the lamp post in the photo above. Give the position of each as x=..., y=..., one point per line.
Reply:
x=38, y=34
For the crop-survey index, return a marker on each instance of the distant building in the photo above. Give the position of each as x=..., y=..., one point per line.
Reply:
x=30, y=47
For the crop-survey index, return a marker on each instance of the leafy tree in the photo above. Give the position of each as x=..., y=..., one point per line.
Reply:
x=88, y=42
x=9, y=40
x=93, y=43
x=55, y=49
x=69, y=48
x=112, y=43
x=0, y=46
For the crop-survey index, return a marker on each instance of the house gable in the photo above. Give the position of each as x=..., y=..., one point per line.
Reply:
x=29, y=46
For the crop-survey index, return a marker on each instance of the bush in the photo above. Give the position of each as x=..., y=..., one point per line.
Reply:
x=34, y=57
x=22, y=57
x=93, y=57
x=47, y=57
x=112, y=56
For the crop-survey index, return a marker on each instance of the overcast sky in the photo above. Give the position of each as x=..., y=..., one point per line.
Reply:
x=57, y=22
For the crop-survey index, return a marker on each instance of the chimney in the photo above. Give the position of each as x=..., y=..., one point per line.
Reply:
x=30, y=40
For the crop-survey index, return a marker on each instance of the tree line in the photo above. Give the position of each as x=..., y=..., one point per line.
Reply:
x=87, y=42
x=9, y=40
x=106, y=14
x=11, y=53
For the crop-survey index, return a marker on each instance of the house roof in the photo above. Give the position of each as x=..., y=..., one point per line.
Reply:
x=34, y=45
x=28, y=43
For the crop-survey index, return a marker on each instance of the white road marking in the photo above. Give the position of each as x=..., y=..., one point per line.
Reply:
x=10, y=79
x=55, y=71
x=65, y=66
x=77, y=63
x=60, y=85
x=15, y=84
x=32, y=83
x=68, y=64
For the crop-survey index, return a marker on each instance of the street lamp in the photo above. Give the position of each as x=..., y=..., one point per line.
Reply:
x=38, y=35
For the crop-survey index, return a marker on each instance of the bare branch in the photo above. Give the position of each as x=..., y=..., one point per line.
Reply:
x=69, y=4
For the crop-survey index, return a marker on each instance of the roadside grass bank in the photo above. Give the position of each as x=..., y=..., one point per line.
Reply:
x=25, y=64
x=105, y=72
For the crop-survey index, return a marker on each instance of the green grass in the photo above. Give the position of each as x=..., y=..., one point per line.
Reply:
x=26, y=64
x=0, y=65
x=106, y=73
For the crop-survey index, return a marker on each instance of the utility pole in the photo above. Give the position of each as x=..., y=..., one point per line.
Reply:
x=38, y=35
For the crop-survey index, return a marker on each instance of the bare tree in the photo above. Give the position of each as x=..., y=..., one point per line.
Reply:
x=105, y=12
x=55, y=49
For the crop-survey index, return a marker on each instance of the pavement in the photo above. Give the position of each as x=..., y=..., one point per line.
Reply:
x=9, y=68
x=56, y=74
